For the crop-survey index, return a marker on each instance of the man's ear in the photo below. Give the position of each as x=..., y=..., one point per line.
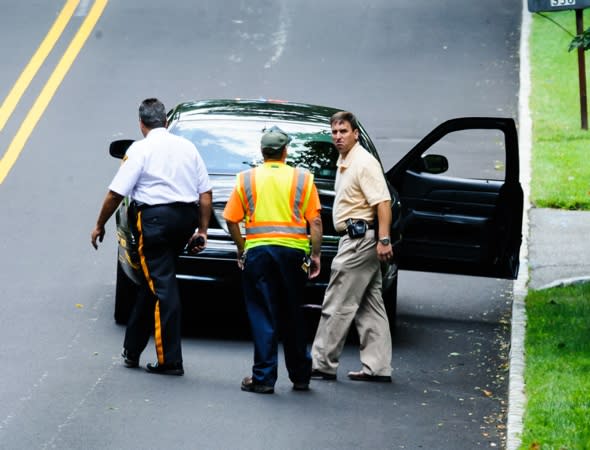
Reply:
x=144, y=130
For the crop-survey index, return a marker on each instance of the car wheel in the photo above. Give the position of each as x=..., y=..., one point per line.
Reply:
x=390, y=301
x=125, y=296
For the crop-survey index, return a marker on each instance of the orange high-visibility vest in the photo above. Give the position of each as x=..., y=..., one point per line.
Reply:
x=275, y=197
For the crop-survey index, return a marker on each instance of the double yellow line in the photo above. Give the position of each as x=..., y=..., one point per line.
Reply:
x=7, y=108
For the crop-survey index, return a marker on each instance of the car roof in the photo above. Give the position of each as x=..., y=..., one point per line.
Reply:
x=275, y=109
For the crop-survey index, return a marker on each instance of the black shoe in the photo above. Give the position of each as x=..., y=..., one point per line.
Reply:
x=300, y=386
x=319, y=375
x=166, y=369
x=362, y=376
x=129, y=359
x=248, y=385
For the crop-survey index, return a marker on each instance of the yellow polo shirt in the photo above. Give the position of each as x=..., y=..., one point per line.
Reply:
x=360, y=185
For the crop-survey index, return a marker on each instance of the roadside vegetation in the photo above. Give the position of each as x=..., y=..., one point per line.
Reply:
x=561, y=148
x=557, y=342
x=557, y=368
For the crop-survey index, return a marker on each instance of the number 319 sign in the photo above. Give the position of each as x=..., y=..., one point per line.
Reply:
x=557, y=5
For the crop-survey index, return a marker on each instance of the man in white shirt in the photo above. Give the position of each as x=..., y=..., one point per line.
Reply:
x=167, y=179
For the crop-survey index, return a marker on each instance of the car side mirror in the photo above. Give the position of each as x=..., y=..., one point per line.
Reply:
x=433, y=164
x=117, y=149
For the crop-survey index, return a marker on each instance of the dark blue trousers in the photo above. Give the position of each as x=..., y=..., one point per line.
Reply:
x=274, y=281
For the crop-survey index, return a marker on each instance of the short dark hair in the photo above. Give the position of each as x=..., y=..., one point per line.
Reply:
x=345, y=116
x=152, y=113
x=273, y=153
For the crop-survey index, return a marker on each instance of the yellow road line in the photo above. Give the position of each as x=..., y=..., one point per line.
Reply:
x=36, y=61
x=60, y=71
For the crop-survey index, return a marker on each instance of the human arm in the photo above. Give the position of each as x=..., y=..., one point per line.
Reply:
x=384, y=252
x=122, y=185
x=109, y=206
x=236, y=235
x=233, y=215
x=376, y=192
x=316, y=232
x=205, y=208
x=314, y=219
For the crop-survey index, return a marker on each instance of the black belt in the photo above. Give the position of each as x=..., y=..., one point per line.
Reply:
x=370, y=226
x=142, y=206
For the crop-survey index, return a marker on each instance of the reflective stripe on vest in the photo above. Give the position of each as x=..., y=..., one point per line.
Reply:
x=291, y=224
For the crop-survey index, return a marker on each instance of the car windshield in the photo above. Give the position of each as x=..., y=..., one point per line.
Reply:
x=231, y=145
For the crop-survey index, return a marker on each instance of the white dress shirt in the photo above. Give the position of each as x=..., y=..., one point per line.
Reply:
x=162, y=168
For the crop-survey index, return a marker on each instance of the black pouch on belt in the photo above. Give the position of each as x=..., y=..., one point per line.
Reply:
x=356, y=228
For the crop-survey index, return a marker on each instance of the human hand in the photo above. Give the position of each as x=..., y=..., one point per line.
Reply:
x=314, y=267
x=241, y=259
x=97, y=234
x=384, y=252
x=196, y=243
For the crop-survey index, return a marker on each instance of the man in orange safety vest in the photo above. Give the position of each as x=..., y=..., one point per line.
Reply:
x=277, y=202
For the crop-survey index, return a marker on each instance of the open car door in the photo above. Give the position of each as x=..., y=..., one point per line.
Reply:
x=461, y=200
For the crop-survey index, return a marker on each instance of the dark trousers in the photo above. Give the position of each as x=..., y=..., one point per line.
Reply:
x=163, y=231
x=273, y=283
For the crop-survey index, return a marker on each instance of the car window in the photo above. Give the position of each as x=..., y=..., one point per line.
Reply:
x=476, y=154
x=230, y=146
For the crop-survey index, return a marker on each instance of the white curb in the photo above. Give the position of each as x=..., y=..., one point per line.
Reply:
x=516, y=384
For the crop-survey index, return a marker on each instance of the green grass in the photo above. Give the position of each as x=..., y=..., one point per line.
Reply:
x=557, y=343
x=557, y=374
x=561, y=148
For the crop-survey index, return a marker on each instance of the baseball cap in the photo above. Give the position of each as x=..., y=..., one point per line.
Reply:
x=274, y=138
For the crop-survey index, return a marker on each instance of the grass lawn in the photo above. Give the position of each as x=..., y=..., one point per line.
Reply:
x=557, y=346
x=558, y=369
x=561, y=148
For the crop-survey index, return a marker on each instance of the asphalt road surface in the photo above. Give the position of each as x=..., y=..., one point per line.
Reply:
x=402, y=67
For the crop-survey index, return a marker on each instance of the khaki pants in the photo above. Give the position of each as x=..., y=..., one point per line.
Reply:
x=354, y=292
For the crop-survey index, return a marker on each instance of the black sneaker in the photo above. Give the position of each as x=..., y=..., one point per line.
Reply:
x=300, y=386
x=362, y=376
x=129, y=359
x=166, y=369
x=319, y=375
x=248, y=385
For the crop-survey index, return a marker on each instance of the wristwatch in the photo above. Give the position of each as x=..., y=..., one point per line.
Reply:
x=384, y=240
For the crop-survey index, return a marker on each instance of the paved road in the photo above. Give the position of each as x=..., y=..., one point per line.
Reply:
x=403, y=67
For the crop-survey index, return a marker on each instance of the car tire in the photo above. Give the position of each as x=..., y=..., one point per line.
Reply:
x=125, y=295
x=390, y=301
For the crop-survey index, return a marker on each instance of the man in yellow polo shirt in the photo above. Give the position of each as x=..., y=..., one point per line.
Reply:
x=354, y=289
x=276, y=202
